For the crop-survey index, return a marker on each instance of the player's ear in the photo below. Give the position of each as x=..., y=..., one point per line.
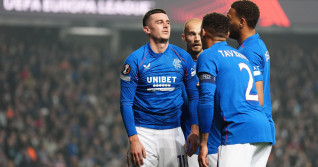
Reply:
x=228, y=35
x=147, y=29
x=203, y=33
x=183, y=37
x=242, y=22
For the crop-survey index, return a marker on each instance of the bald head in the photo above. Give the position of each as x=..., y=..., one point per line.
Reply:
x=191, y=36
x=195, y=22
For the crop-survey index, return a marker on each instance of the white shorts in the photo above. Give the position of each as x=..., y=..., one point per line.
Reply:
x=164, y=148
x=193, y=160
x=247, y=155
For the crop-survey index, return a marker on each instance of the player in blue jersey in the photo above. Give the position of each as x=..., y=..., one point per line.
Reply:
x=227, y=88
x=151, y=81
x=191, y=36
x=243, y=17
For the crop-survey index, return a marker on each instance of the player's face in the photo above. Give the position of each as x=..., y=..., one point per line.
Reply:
x=234, y=24
x=192, y=37
x=159, y=26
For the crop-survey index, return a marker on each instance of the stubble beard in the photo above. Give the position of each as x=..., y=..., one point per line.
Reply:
x=234, y=34
x=195, y=52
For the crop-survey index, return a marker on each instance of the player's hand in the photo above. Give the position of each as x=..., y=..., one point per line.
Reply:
x=137, y=150
x=202, y=157
x=193, y=140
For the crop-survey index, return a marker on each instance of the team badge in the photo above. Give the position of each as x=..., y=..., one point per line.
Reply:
x=177, y=63
x=126, y=69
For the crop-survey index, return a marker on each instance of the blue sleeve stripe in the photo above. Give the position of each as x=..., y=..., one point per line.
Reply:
x=207, y=78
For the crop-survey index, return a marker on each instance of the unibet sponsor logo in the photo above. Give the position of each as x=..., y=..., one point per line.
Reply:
x=161, y=79
x=161, y=83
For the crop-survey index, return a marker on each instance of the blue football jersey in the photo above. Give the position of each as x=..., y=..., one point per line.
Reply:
x=256, y=52
x=151, y=88
x=226, y=79
x=214, y=139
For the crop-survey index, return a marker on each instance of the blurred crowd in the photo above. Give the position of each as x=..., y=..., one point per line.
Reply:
x=294, y=88
x=59, y=105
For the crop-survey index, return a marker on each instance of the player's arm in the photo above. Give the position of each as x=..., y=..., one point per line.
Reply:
x=193, y=94
x=202, y=157
x=190, y=82
x=257, y=63
x=206, y=68
x=259, y=88
x=193, y=140
x=128, y=87
x=205, y=113
x=207, y=89
x=127, y=95
x=206, y=73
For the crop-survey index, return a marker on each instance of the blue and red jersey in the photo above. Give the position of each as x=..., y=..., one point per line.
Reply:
x=227, y=88
x=151, y=88
x=256, y=52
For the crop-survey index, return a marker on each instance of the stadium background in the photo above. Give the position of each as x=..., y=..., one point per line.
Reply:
x=59, y=77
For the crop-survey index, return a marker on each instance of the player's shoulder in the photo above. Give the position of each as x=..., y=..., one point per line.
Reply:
x=180, y=52
x=254, y=45
x=176, y=48
x=216, y=51
x=138, y=54
x=206, y=57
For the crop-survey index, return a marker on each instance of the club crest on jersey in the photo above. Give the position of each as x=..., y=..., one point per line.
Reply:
x=126, y=69
x=177, y=63
x=147, y=66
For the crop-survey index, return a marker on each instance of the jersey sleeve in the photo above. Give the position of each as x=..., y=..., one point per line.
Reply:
x=256, y=62
x=207, y=73
x=207, y=64
x=190, y=82
x=128, y=81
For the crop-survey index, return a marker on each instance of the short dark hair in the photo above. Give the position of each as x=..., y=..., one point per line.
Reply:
x=216, y=24
x=151, y=12
x=248, y=10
